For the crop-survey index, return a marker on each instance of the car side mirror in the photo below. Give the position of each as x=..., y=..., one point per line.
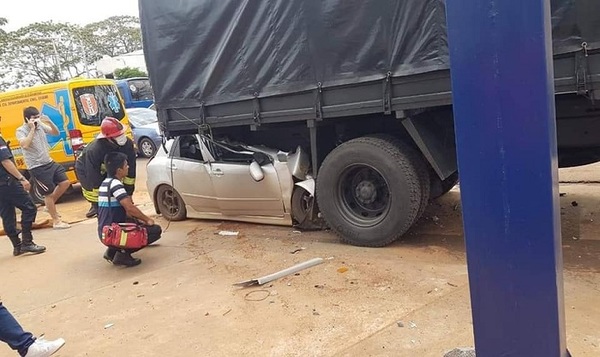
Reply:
x=256, y=172
x=261, y=158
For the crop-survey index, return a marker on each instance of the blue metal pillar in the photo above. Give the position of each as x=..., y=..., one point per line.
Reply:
x=502, y=82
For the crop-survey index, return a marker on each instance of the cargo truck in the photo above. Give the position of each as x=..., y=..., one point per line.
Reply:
x=361, y=85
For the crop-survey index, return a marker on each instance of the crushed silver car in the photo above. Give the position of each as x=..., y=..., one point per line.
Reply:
x=194, y=176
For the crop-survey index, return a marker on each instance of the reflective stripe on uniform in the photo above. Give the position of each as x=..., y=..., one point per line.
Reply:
x=129, y=181
x=91, y=196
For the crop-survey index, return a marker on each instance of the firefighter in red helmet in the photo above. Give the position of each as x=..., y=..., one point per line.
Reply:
x=90, y=163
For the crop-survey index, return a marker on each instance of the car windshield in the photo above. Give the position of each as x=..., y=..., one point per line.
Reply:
x=141, y=116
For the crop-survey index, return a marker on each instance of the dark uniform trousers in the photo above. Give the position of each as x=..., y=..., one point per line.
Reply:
x=12, y=194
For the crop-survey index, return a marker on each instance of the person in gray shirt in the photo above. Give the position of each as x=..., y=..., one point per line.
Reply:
x=50, y=177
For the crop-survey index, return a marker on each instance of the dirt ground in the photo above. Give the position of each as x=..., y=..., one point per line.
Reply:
x=408, y=299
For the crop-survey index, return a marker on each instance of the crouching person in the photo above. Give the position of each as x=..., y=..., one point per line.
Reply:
x=116, y=206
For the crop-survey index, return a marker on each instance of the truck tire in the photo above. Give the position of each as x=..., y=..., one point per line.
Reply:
x=420, y=165
x=368, y=191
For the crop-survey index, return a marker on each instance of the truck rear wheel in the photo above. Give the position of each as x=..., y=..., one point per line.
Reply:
x=368, y=191
x=420, y=166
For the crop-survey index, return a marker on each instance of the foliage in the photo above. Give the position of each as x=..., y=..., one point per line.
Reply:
x=3, y=34
x=128, y=72
x=114, y=36
x=46, y=52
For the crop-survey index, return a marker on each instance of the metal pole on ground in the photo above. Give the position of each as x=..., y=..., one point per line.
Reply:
x=503, y=90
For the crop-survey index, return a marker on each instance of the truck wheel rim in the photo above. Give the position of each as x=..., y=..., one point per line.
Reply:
x=363, y=194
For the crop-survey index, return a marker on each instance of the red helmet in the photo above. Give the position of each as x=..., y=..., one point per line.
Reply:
x=111, y=128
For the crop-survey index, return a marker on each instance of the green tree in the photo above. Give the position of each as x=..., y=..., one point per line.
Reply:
x=44, y=52
x=114, y=36
x=3, y=34
x=128, y=72
x=47, y=52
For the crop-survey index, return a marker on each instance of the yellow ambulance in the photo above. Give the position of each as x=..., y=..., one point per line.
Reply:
x=76, y=107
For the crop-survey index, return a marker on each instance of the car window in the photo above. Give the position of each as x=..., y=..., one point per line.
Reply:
x=222, y=152
x=187, y=147
x=140, y=89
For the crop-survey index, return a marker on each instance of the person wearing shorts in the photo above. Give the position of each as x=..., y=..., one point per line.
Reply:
x=50, y=177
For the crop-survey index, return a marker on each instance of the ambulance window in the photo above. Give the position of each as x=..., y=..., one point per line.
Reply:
x=95, y=103
x=140, y=89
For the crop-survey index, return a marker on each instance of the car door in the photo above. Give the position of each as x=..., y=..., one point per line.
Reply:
x=191, y=176
x=238, y=193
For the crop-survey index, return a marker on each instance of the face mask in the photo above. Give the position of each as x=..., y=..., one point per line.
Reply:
x=121, y=140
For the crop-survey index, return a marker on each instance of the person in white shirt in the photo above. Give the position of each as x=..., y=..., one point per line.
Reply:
x=50, y=177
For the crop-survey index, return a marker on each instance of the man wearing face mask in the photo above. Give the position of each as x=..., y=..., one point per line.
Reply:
x=90, y=164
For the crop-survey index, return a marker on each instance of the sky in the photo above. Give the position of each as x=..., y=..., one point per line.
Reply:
x=21, y=13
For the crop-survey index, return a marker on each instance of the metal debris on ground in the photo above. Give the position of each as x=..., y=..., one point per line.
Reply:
x=107, y=326
x=342, y=270
x=229, y=233
x=285, y=272
x=297, y=250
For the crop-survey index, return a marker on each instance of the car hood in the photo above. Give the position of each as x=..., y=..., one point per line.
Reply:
x=153, y=126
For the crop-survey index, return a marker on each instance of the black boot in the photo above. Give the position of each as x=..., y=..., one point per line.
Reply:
x=125, y=259
x=32, y=248
x=28, y=246
x=109, y=254
x=16, y=242
x=93, y=212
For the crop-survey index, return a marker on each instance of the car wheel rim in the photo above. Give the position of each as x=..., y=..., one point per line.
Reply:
x=364, y=195
x=146, y=148
x=304, y=206
x=171, y=202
